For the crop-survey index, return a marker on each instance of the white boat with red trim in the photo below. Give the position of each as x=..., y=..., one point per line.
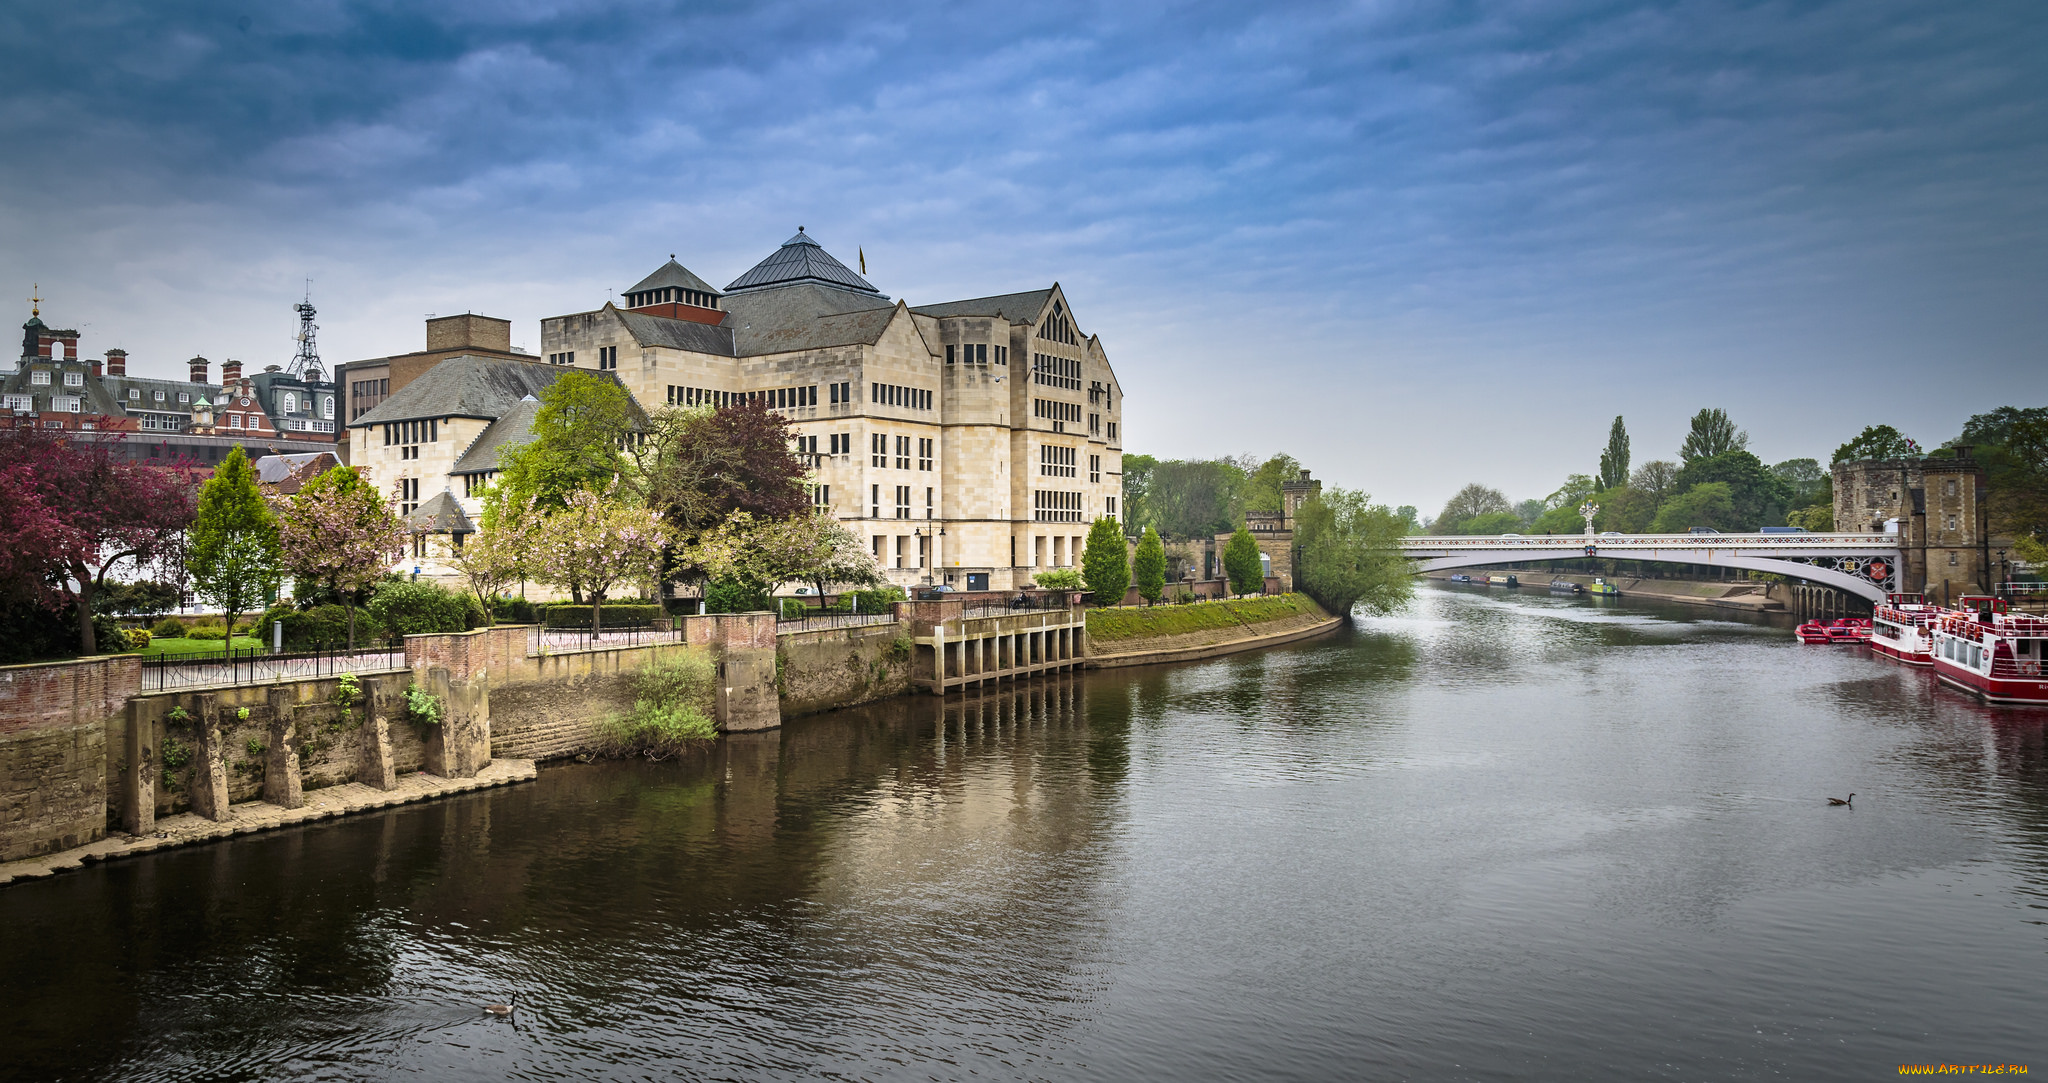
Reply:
x=1902, y=629
x=1991, y=653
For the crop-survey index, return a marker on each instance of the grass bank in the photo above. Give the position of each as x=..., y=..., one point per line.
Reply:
x=1149, y=622
x=179, y=647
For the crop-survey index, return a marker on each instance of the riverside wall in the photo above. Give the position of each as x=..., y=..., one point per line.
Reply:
x=1747, y=595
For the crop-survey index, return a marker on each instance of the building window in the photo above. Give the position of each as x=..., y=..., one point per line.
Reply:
x=903, y=453
x=184, y=397
x=408, y=495
x=1056, y=462
x=291, y=403
x=1048, y=506
x=565, y=358
x=1094, y=424
x=903, y=502
x=841, y=443
x=608, y=357
x=949, y=355
x=1002, y=355
x=135, y=394
x=74, y=379
x=1951, y=560
x=234, y=421
x=68, y=404
x=928, y=501
x=875, y=502
x=878, y=450
x=327, y=407
x=40, y=377
x=1051, y=371
x=821, y=497
x=1951, y=522
x=1094, y=469
x=1112, y=430
x=1110, y=504
x=924, y=453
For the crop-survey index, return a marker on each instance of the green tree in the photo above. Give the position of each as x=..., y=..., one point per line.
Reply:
x=1471, y=501
x=234, y=556
x=1627, y=509
x=2011, y=444
x=1654, y=479
x=1713, y=433
x=1351, y=554
x=1705, y=505
x=1410, y=516
x=596, y=541
x=585, y=421
x=1493, y=522
x=1148, y=567
x=337, y=531
x=1241, y=564
x=1759, y=497
x=1877, y=442
x=1137, y=483
x=1262, y=483
x=1104, y=564
x=1614, y=461
x=1818, y=518
x=1195, y=499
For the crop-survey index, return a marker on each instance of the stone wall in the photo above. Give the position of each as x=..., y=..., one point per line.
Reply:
x=53, y=751
x=840, y=667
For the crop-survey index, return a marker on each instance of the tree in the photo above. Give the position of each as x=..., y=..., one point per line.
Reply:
x=1712, y=434
x=2011, y=444
x=1528, y=511
x=1263, y=480
x=1818, y=518
x=1759, y=497
x=1705, y=505
x=1351, y=553
x=1104, y=566
x=1492, y=522
x=1471, y=501
x=807, y=548
x=1409, y=515
x=699, y=465
x=73, y=512
x=1877, y=442
x=1148, y=567
x=1627, y=509
x=1654, y=479
x=839, y=558
x=340, y=533
x=585, y=421
x=234, y=555
x=1195, y=499
x=1241, y=564
x=499, y=553
x=596, y=540
x=1614, y=461
x=1137, y=482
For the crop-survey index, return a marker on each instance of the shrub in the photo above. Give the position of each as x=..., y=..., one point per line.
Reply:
x=138, y=639
x=793, y=609
x=168, y=628
x=877, y=600
x=1059, y=579
x=422, y=706
x=614, y=616
x=515, y=610
x=735, y=596
x=407, y=609
x=321, y=627
x=215, y=632
x=672, y=708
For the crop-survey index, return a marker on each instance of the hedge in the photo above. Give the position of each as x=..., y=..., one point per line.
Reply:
x=1144, y=622
x=616, y=615
x=409, y=609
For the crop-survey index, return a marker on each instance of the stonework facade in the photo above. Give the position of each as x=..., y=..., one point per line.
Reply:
x=1936, y=506
x=1273, y=529
x=971, y=442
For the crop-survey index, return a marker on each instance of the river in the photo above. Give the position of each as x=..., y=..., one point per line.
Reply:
x=1493, y=837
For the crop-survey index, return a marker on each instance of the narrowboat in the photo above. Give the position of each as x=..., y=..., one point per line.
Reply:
x=1501, y=581
x=1602, y=586
x=1902, y=629
x=1461, y=577
x=1992, y=654
x=1565, y=586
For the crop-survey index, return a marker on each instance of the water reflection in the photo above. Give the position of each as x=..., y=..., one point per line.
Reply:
x=1494, y=836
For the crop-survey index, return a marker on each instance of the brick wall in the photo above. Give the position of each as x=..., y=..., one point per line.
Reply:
x=53, y=751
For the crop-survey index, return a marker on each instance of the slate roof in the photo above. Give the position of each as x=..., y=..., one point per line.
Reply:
x=1014, y=307
x=800, y=259
x=678, y=334
x=289, y=473
x=804, y=316
x=514, y=428
x=440, y=515
x=465, y=386
x=671, y=274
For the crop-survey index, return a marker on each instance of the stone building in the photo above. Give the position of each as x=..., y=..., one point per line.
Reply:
x=1273, y=529
x=363, y=384
x=1937, y=508
x=971, y=442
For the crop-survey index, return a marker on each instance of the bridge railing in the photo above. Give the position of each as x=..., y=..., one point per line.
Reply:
x=1778, y=542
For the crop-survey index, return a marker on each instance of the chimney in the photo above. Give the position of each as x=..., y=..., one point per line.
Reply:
x=117, y=362
x=230, y=371
x=95, y=368
x=199, y=370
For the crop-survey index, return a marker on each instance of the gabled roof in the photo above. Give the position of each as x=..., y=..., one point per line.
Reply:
x=1014, y=307
x=514, y=428
x=800, y=259
x=440, y=515
x=689, y=335
x=671, y=274
x=466, y=386
x=289, y=473
x=805, y=316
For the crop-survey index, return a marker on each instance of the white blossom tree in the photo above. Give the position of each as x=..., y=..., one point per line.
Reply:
x=598, y=541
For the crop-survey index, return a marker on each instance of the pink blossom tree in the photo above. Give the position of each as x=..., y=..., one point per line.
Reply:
x=338, y=531
x=597, y=541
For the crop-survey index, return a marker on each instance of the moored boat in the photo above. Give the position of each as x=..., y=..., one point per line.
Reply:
x=1565, y=586
x=1991, y=653
x=1902, y=629
x=1812, y=631
x=1849, y=630
x=1461, y=577
x=1602, y=586
x=1501, y=581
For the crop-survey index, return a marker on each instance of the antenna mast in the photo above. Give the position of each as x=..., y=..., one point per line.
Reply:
x=306, y=363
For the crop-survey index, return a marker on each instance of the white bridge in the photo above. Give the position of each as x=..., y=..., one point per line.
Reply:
x=1866, y=565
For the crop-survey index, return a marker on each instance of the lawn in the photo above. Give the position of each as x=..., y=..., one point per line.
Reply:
x=1144, y=622
x=178, y=647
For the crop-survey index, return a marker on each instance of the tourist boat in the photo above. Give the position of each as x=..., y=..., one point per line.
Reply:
x=1839, y=630
x=1501, y=581
x=1812, y=631
x=1902, y=629
x=1565, y=586
x=1991, y=653
x=1602, y=586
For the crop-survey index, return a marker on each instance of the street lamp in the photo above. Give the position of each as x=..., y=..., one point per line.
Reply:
x=1587, y=511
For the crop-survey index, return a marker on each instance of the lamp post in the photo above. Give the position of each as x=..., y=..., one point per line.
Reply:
x=1587, y=511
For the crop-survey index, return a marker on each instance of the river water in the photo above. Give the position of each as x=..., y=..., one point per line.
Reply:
x=1493, y=837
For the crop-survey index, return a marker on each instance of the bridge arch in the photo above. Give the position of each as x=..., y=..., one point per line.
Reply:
x=1843, y=581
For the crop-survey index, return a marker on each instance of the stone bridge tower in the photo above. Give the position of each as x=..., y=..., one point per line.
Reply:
x=1937, y=508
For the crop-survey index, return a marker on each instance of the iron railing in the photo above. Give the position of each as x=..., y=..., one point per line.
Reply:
x=555, y=640
x=250, y=666
x=812, y=620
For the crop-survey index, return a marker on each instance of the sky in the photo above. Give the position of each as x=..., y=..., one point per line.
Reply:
x=1414, y=244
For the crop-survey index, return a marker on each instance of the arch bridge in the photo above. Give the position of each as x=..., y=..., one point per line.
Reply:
x=1866, y=565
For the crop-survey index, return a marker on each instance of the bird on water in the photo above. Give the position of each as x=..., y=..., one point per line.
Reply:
x=502, y=1009
x=1849, y=800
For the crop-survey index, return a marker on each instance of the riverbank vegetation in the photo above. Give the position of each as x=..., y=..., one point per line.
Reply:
x=1111, y=625
x=672, y=709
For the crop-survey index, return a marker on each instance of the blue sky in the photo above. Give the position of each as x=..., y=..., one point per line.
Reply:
x=1415, y=244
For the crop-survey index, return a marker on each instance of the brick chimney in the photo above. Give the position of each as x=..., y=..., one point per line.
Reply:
x=230, y=371
x=95, y=368
x=117, y=362
x=199, y=370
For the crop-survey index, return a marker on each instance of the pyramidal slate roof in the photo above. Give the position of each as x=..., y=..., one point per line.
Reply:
x=466, y=386
x=804, y=316
x=514, y=428
x=440, y=515
x=672, y=274
x=800, y=260
x=1014, y=307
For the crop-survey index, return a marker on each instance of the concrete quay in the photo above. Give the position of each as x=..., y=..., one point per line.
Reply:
x=250, y=817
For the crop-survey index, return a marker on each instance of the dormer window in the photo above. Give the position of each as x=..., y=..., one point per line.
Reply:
x=74, y=379
x=291, y=403
x=134, y=394
x=40, y=377
x=160, y=396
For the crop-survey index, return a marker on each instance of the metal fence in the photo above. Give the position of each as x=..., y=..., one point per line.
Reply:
x=247, y=666
x=814, y=620
x=546, y=640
